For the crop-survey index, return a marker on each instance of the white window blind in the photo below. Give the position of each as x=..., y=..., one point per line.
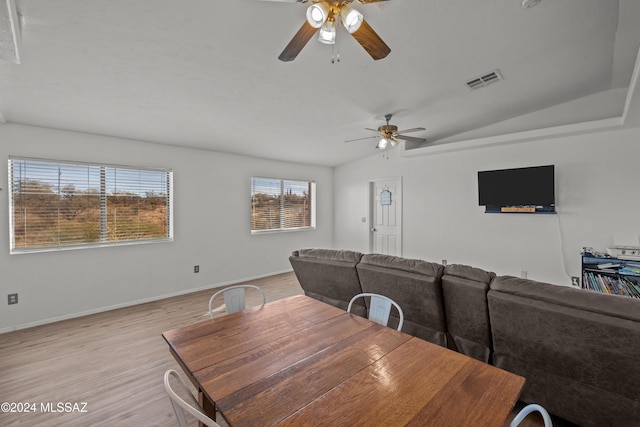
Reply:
x=62, y=205
x=278, y=204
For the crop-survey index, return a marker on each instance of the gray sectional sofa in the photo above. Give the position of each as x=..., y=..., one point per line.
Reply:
x=578, y=350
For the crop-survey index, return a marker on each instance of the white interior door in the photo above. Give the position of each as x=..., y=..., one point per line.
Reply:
x=386, y=216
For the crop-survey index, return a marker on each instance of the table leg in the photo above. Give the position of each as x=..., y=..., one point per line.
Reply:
x=208, y=407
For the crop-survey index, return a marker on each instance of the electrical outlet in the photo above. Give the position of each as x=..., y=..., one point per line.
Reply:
x=12, y=299
x=523, y=274
x=575, y=280
x=444, y=262
x=196, y=269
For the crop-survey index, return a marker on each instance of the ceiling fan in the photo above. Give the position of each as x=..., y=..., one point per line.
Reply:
x=322, y=15
x=389, y=135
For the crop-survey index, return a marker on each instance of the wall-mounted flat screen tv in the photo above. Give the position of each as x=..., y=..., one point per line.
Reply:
x=532, y=186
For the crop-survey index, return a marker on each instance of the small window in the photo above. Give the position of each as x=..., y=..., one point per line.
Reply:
x=65, y=205
x=281, y=205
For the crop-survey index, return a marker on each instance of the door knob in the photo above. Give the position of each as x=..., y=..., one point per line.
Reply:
x=373, y=229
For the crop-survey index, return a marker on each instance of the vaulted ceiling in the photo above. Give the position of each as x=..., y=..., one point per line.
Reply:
x=205, y=73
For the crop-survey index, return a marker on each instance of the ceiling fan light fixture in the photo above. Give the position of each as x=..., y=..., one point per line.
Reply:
x=317, y=14
x=351, y=18
x=394, y=142
x=327, y=32
x=382, y=144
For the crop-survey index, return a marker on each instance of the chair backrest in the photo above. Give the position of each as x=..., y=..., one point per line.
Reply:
x=234, y=298
x=180, y=405
x=529, y=409
x=379, y=308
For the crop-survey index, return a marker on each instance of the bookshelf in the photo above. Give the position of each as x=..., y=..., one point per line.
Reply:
x=611, y=275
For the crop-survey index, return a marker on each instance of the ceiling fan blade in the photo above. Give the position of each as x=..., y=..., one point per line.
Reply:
x=411, y=138
x=380, y=3
x=298, y=41
x=410, y=130
x=374, y=130
x=290, y=1
x=371, y=41
x=360, y=139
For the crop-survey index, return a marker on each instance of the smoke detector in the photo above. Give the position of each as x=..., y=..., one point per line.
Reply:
x=526, y=4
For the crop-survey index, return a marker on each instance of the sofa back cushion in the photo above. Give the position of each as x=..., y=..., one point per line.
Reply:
x=329, y=275
x=415, y=285
x=577, y=349
x=464, y=290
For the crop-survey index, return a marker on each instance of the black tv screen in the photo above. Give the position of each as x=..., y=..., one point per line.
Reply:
x=532, y=186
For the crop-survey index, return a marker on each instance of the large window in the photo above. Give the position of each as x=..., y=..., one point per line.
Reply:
x=279, y=205
x=63, y=205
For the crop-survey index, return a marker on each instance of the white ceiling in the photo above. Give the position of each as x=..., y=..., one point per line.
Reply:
x=205, y=73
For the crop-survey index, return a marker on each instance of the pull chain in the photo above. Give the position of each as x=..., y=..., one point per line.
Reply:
x=335, y=54
x=335, y=51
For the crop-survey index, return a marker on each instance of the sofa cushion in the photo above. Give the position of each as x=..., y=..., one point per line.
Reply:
x=415, y=285
x=622, y=307
x=417, y=266
x=577, y=349
x=330, y=255
x=329, y=276
x=464, y=290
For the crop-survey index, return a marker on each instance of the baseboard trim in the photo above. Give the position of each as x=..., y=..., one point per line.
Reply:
x=136, y=302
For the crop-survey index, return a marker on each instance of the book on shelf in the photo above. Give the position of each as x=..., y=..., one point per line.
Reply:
x=610, y=284
x=605, y=270
x=630, y=270
x=608, y=265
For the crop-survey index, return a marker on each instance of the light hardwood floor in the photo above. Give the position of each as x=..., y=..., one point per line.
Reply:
x=114, y=361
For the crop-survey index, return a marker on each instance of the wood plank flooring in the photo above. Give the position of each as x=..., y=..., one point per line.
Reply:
x=112, y=361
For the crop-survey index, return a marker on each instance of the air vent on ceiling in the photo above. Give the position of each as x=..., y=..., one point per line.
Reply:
x=484, y=80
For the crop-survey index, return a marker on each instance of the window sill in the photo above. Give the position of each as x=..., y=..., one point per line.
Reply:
x=281, y=230
x=87, y=246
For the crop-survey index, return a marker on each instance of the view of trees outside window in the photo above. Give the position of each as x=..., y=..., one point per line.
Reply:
x=281, y=204
x=58, y=204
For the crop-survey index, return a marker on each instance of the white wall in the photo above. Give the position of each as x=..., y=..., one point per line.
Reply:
x=212, y=230
x=597, y=181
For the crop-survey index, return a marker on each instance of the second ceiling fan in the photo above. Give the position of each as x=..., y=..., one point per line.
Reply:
x=322, y=15
x=389, y=134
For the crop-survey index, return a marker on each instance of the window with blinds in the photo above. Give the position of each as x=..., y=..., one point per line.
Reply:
x=64, y=205
x=281, y=205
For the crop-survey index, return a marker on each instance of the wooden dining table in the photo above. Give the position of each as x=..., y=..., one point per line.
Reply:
x=300, y=362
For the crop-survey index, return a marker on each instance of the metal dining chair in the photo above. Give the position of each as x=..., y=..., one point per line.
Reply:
x=529, y=409
x=180, y=405
x=379, y=308
x=234, y=298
